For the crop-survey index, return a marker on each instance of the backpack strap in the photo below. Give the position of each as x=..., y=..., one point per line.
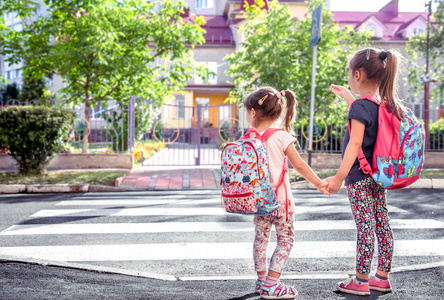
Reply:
x=282, y=182
x=252, y=133
x=363, y=162
x=269, y=132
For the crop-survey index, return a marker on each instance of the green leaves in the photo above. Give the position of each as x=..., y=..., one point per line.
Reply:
x=276, y=52
x=33, y=134
x=417, y=49
x=109, y=49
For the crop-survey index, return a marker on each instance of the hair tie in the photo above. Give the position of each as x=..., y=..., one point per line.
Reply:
x=280, y=95
x=261, y=100
x=383, y=56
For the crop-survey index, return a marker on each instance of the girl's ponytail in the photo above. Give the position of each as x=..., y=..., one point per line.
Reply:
x=388, y=89
x=291, y=108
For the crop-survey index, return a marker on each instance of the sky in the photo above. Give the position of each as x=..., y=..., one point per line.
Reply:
x=375, y=5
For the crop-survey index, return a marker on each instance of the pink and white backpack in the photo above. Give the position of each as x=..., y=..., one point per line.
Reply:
x=245, y=175
x=399, y=149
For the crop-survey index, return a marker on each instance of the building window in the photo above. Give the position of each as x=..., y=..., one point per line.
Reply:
x=418, y=30
x=98, y=112
x=8, y=75
x=48, y=83
x=224, y=112
x=205, y=112
x=204, y=4
x=18, y=73
x=178, y=108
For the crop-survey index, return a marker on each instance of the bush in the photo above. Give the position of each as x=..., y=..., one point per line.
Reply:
x=34, y=134
x=436, y=130
x=147, y=149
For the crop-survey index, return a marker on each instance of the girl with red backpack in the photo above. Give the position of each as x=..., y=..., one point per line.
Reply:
x=373, y=75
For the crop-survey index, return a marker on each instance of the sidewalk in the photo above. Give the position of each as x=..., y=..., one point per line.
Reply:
x=208, y=178
x=173, y=178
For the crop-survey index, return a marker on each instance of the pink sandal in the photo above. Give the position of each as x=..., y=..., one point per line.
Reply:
x=278, y=291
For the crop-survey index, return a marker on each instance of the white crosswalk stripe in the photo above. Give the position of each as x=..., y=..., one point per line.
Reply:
x=177, y=211
x=86, y=217
x=165, y=227
x=202, y=251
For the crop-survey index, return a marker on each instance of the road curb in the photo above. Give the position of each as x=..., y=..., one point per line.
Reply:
x=57, y=188
x=63, y=188
x=12, y=188
x=86, y=188
x=438, y=183
x=107, y=188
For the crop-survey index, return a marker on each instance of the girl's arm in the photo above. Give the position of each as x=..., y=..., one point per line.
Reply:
x=304, y=169
x=342, y=92
x=350, y=155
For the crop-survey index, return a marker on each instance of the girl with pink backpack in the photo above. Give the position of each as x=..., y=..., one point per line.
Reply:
x=373, y=75
x=264, y=107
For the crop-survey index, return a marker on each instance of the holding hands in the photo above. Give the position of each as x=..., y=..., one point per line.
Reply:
x=322, y=187
x=334, y=184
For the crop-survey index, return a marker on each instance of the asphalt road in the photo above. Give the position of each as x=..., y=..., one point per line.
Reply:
x=183, y=246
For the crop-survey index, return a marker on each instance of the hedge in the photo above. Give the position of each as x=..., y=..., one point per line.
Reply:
x=34, y=134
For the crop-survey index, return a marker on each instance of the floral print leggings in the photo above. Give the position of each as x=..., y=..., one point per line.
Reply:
x=369, y=207
x=285, y=239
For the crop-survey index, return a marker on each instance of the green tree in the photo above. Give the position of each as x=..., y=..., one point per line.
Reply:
x=276, y=51
x=417, y=52
x=10, y=92
x=108, y=49
x=32, y=88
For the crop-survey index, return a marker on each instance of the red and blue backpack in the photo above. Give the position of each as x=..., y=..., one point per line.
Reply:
x=398, y=156
x=245, y=175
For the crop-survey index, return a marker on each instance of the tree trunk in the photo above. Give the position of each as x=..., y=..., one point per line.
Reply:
x=87, y=125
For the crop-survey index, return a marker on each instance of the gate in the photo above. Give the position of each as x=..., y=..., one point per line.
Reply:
x=180, y=135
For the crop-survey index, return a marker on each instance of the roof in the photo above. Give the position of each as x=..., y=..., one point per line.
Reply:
x=218, y=31
x=394, y=21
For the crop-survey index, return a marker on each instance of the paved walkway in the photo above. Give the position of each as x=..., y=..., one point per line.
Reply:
x=170, y=178
x=208, y=178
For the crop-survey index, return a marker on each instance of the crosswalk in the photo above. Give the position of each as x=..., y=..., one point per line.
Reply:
x=189, y=234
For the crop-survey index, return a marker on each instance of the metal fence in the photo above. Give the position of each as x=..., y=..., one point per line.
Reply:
x=168, y=134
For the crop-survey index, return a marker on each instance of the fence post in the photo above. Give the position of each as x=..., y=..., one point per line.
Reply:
x=199, y=129
x=131, y=123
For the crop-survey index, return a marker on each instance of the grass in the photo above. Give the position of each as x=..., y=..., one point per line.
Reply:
x=57, y=177
x=426, y=173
